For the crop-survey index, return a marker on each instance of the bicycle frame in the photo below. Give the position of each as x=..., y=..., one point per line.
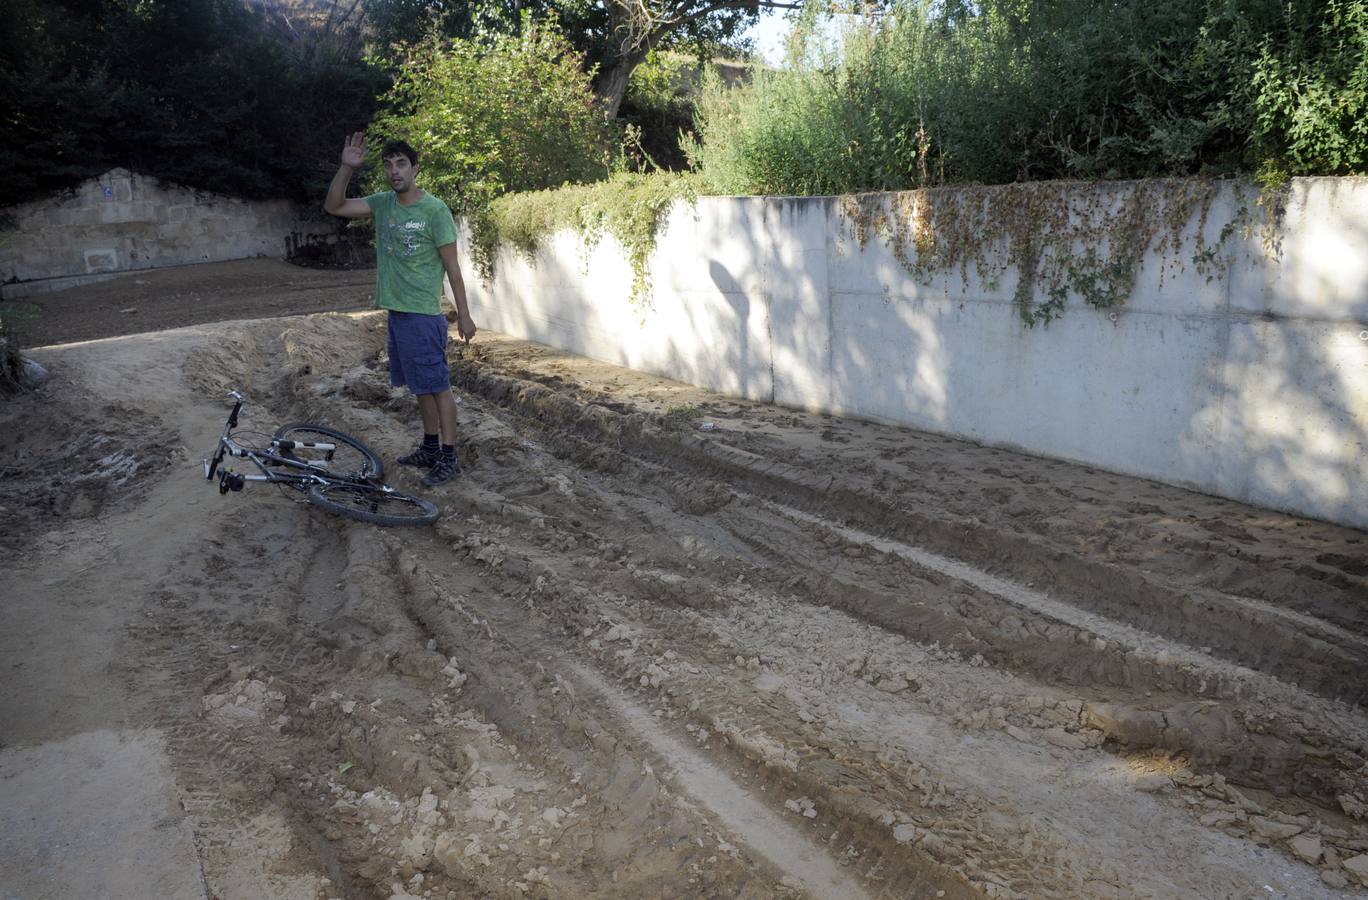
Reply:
x=266, y=460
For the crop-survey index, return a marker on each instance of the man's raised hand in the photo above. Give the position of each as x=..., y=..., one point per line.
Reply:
x=354, y=151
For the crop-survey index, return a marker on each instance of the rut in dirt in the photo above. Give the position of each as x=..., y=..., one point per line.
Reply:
x=622, y=624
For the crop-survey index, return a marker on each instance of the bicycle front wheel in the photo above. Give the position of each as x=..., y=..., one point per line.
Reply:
x=376, y=505
x=349, y=459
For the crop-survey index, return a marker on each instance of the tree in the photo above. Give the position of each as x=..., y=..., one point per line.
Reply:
x=516, y=114
x=636, y=27
x=614, y=35
x=221, y=95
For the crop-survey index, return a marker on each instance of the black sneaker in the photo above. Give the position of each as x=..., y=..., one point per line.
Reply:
x=422, y=457
x=445, y=469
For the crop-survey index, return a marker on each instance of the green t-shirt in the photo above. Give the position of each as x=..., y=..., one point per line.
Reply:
x=406, y=241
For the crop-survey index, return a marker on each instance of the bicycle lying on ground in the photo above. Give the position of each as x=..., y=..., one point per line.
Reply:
x=334, y=470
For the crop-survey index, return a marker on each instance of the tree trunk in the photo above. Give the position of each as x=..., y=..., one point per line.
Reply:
x=611, y=85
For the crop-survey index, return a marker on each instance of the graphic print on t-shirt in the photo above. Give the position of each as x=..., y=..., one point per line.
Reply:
x=402, y=240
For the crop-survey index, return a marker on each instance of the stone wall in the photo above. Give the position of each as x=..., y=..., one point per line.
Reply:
x=123, y=222
x=1252, y=384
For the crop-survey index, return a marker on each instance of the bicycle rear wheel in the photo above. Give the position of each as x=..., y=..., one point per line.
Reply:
x=376, y=505
x=351, y=458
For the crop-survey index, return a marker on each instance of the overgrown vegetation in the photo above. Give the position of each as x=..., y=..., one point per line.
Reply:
x=513, y=117
x=659, y=103
x=997, y=91
x=1011, y=92
x=630, y=207
x=509, y=106
x=517, y=114
x=1063, y=238
x=214, y=94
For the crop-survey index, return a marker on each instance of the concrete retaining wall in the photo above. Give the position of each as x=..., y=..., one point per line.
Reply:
x=121, y=222
x=1251, y=385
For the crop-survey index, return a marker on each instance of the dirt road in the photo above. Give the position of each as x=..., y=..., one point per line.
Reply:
x=664, y=644
x=186, y=295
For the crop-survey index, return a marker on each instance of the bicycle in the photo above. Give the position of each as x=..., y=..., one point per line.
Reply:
x=334, y=470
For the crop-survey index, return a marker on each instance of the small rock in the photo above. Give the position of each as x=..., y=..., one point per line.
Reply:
x=1334, y=879
x=1153, y=783
x=1308, y=847
x=1353, y=805
x=31, y=374
x=1061, y=738
x=892, y=684
x=1358, y=868
x=1276, y=830
x=905, y=833
x=1218, y=818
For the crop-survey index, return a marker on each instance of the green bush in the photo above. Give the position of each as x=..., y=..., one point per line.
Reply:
x=518, y=114
x=1013, y=90
x=213, y=94
x=659, y=103
x=631, y=207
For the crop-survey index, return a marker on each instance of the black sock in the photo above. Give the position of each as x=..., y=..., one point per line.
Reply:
x=430, y=442
x=449, y=451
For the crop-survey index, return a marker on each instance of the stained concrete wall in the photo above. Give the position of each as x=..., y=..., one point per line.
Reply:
x=123, y=222
x=1251, y=385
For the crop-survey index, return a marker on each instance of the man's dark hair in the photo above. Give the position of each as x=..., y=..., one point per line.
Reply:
x=395, y=148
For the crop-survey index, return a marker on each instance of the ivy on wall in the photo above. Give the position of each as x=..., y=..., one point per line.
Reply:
x=1081, y=238
x=630, y=207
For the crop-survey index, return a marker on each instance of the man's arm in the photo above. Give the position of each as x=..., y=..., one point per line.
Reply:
x=353, y=155
x=465, y=325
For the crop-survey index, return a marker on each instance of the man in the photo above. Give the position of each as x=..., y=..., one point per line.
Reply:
x=415, y=243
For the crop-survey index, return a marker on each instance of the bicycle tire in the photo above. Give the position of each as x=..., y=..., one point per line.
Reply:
x=368, y=503
x=367, y=466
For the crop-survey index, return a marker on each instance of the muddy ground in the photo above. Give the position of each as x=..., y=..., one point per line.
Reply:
x=667, y=644
x=186, y=295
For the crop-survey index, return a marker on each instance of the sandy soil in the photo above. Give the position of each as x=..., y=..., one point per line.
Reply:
x=666, y=644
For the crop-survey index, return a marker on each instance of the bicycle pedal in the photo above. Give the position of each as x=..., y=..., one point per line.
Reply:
x=228, y=481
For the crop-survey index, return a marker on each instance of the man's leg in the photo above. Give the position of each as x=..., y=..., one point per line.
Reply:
x=439, y=411
x=427, y=408
x=429, y=450
x=439, y=414
x=445, y=405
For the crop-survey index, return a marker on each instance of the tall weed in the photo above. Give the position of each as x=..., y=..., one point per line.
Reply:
x=1014, y=90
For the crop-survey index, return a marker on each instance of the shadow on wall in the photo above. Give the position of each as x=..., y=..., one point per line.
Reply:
x=1292, y=389
x=1255, y=388
x=740, y=306
x=712, y=332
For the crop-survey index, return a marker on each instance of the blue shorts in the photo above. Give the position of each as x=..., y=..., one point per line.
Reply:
x=417, y=352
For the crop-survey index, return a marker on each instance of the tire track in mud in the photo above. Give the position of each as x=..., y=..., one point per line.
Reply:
x=1318, y=657
x=754, y=822
x=1317, y=649
x=949, y=837
x=1185, y=735
x=960, y=749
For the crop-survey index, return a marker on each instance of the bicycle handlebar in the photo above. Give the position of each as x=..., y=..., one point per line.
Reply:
x=211, y=465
